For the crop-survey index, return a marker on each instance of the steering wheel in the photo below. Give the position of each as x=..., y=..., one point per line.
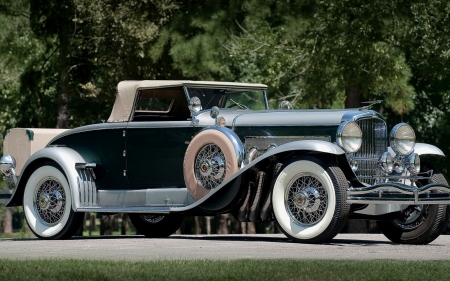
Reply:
x=242, y=106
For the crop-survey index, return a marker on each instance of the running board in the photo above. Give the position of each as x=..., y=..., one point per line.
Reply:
x=396, y=193
x=142, y=210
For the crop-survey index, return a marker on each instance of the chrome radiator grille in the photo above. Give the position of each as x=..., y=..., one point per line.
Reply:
x=374, y=143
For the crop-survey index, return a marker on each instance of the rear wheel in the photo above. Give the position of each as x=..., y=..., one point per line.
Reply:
x=156, y=226
x=417, y=224
x=47, y=204
x=309, y=200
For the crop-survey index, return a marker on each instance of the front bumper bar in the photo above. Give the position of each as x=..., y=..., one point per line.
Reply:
x=396, y=193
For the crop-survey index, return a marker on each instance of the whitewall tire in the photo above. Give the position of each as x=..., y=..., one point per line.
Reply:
x=47, y=204
x=309, y=200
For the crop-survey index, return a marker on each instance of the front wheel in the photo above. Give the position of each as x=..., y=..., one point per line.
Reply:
x=156, y=226
x=417, y=224
x=309, y=200
x=47, y=204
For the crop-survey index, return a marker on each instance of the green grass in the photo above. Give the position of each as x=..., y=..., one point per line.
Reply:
x=223, y=270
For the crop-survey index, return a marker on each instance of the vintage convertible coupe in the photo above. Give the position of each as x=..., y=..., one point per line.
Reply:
x=177, y=148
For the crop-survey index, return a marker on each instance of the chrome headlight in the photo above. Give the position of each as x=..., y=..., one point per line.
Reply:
x=349, y=136
x=402, y=139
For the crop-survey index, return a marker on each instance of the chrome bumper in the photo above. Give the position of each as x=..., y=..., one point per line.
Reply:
x=396, y=193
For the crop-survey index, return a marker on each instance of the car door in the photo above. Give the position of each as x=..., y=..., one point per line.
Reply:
x=157, y=138
x=155, y=153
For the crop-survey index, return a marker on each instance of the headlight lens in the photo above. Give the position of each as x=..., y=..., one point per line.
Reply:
x=349, y=136
x=402, y=139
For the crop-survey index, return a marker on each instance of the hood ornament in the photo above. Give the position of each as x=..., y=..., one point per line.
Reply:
x=369, y=104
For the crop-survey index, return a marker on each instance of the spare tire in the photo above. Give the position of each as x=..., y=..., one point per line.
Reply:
x=213, y=155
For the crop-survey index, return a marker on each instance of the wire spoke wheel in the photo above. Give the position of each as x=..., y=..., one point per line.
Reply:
x=47, y=203
x=210, y=166
x=309, y=200
x=306, y=199
x=50, y=201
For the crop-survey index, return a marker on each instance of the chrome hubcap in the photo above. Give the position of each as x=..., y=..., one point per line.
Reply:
x=210, y=166
x=306, y=199
x=49, y=201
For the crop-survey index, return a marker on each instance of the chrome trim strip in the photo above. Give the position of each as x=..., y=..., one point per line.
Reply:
x=263, y=142
x=94, y=127
x=141, y=209
x=157, y=124
x=87, y=189
x=356, y=115
x=412, y=201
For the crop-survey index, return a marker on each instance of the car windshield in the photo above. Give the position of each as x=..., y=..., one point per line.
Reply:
x=229, y=98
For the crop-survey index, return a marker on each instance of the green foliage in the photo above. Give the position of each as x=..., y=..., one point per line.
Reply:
x=244, y=269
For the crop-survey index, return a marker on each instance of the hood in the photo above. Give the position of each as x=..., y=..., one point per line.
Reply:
x=306, y=117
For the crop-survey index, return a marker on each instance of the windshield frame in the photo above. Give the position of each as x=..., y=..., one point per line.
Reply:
x=231, y=91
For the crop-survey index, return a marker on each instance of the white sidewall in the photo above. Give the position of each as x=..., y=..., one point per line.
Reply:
x=280, y=207
x=28, y=205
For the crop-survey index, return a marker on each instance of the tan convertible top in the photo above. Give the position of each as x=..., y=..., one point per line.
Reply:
x=126, y=92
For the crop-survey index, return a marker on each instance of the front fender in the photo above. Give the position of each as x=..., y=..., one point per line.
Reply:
x=427, y=149
x=65, y=157
x=423, y=149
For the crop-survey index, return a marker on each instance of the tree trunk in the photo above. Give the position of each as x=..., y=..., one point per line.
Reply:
x=106, y=224
x=198, y=225
x=243, y=227
x=125, y=224
x=222, y=226
x=353, y=97
x=7, y=223
x=208, y=225
x=251, y=228
x=63, y=79
x=92, y=223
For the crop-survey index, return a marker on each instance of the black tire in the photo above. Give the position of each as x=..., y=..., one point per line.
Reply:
x=47, y=203
x=417, y=224
x=309, y=200
x=156, y=226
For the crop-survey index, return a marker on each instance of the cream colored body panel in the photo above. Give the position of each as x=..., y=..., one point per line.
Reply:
x=21, y=143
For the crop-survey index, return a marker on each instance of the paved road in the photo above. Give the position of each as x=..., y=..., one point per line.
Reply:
x=344, y=246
